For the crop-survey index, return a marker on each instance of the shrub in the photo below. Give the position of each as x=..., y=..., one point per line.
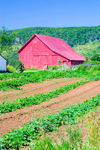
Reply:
x=92, y=62
x=95, y=68
x=33, y=68
x=95, y=57
x=21, y=67
x=54, y=67
x=10, y=69
x=82, y=68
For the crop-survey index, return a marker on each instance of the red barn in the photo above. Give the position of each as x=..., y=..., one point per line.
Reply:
x=40, y=51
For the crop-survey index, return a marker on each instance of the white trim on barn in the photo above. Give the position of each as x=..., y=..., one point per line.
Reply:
x=3, y=63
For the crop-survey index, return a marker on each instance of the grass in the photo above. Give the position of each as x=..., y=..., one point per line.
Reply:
x=89, y=49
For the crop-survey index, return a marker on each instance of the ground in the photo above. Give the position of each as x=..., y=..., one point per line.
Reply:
x=18, y=118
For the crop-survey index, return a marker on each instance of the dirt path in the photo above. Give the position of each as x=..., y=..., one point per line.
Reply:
x=18, y=118
x=34, y=88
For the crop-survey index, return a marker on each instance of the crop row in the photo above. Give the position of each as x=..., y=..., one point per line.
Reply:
x=39, y=76
x=6, y=76
x=38, y=98
x=69, y=115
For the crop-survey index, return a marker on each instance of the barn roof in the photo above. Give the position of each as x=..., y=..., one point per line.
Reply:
x=59, y=46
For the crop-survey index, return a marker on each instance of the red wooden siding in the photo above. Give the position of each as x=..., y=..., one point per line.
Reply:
x=42, y=50
x=37, y=54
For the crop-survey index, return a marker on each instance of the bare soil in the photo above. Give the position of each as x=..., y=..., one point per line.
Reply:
x=18, y=118
x=34, y=88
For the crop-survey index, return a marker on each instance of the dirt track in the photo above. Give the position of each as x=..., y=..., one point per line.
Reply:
x=18, y=118
x=34, y=88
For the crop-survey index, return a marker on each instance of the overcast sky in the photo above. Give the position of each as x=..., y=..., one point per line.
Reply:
x=49, y=13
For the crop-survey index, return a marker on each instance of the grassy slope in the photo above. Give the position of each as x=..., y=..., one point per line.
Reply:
x=89, y=49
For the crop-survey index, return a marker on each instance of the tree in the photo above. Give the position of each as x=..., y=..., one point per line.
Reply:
x=6, y=39
x=95, y=57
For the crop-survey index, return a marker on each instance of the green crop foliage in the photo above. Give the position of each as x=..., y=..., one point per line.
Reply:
x=30, y=131
x=18, y=79
x=37, y=98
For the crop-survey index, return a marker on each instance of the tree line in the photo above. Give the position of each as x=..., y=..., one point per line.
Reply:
x=71, y=35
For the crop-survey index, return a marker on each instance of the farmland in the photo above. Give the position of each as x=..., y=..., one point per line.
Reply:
x=44, y=100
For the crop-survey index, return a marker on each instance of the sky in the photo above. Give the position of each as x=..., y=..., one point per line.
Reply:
x=16, y=14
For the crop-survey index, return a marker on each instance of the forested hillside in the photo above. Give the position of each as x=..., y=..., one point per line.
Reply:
x=84, y=40
x=71, y=35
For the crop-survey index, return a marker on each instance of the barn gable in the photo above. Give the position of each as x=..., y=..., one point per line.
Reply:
x=37, y=54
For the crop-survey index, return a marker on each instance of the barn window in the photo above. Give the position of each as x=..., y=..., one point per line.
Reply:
x=35, y=40
x=73, y=63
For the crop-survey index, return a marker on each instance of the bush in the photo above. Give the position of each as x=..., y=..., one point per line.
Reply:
x=95, y=57
x=10, y=69
x=54, y=67
x=95, y=68
x=33, y=68
x=21, y=67
x=82, y=67
x=92, y=62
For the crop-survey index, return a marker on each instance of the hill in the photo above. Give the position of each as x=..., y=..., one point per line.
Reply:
x=71, y=35
x=89, y=49
x=84, y=40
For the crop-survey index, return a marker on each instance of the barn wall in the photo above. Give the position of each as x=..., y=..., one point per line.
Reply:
x=2, y=64
x=37, y=54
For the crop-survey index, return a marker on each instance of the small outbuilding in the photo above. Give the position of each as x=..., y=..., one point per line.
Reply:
x=3, y=63
x=41, y=51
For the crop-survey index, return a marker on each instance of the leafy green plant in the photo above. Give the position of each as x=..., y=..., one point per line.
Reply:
x=10, y=69
x=82, y=68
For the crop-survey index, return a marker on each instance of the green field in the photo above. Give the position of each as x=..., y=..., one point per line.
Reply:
x=70, y=115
